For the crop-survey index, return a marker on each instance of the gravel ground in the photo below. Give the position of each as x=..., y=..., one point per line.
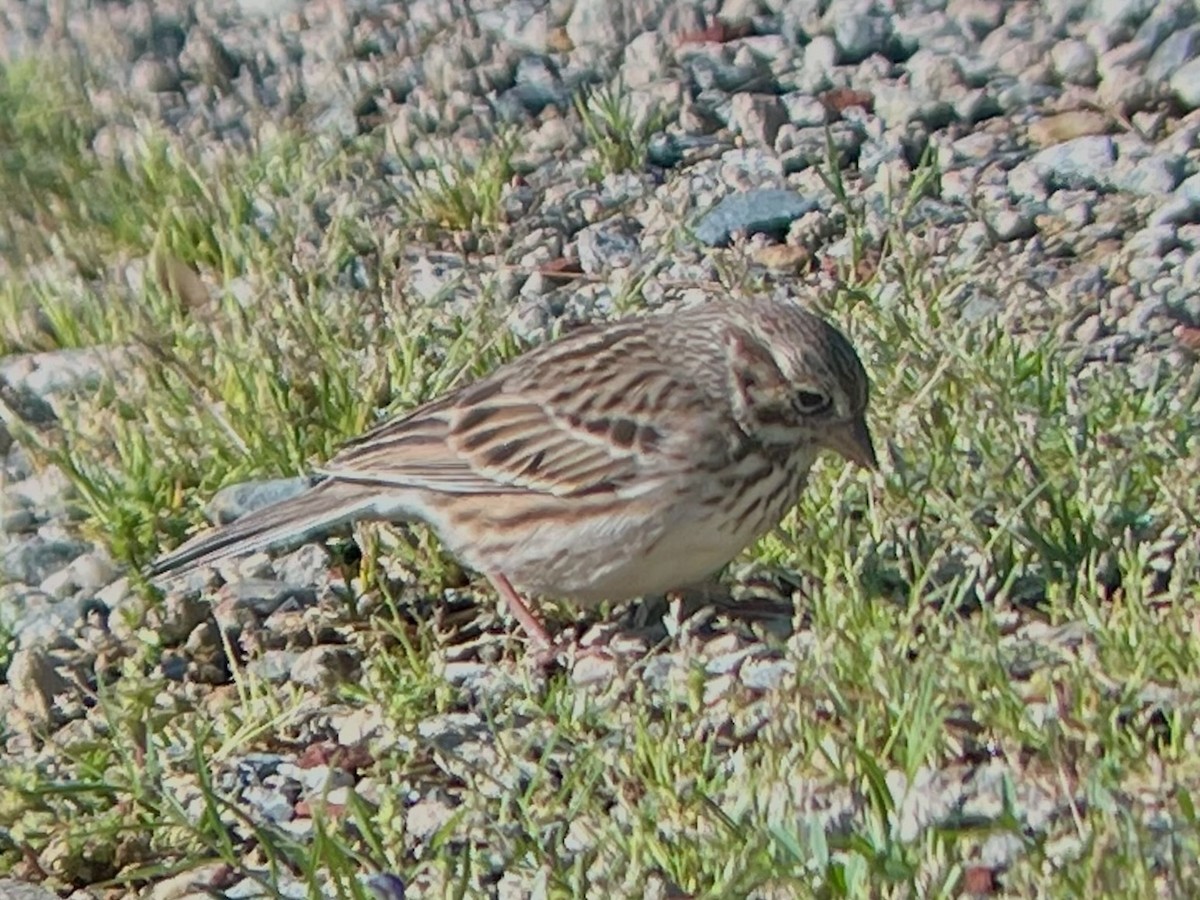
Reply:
x=1066, y=138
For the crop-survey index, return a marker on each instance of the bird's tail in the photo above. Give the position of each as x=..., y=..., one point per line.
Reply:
x=315, y=512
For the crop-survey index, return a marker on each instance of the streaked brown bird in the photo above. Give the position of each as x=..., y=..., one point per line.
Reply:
x=624, y=459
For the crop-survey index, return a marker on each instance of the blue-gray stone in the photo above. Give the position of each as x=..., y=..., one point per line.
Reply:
x=386, y=886
x=858, y=37
x=770, y=211
x=1189, y=188
x=235, y=501
x=1084, y=162
x=1123, y=13
x=539, y=84
x=1179, y=48
x=1169, y=17
x=1186, y=84
x=1153, y=176
x=30, y=561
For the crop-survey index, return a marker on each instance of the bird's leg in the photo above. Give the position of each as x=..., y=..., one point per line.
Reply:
x=530, y=623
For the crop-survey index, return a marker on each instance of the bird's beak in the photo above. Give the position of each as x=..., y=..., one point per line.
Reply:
x=853, y=441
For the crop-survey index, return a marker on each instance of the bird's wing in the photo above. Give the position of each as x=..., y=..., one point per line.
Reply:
x=584, y=415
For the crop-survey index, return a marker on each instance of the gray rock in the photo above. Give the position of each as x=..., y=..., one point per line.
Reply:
x=977, y=105
x=770, y=211
x=48, y=622
x=978, y=304
x=936, y=76
x=1122, y=14
x=270, y=802
x=174, y=666
x=758, y=117
x=725, y=654
x=1178, y=49
x=669, y=150
x=1090, y=330
x=307, y=565
x=804, y=110
x=611, y=244
x=26, y=405
x=326, y=666
x=205, y=58
x=1012, y=225
x=1189, y=272
x=1016, y=50
x=974, y=149
x=1075, y=62
x=820, y=57
x=999, y=850
x=87, y=573
x=17, y=521
x=1017, y=96
x=1168, y=18
x=1152, y=241
x=897, y=106
x=717, y=79
x=645, y=60
x=717, y=687
x=60, y=371
x=522, y=23
x=1143, y=269
x=274, y=666
x=1152, y=176
x=766, y=674
x=859, y=36
x=538, y=84
x=425, y=817
x=1185, y=83
x=253, y=599
x=1126, y=91
x=1084, y=162
x=48, y=493
x=11, y=889
x=800, y=19
x=32, y=560
x=1189, y=188
x=977, y=18
x=611, y=23
x=808, y=147
x=233, y=502
x=154, y=76
x=663, y=671
x=36, y=679
x=385, y=886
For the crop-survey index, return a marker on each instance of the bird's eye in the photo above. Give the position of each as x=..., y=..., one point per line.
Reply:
x=812, y=402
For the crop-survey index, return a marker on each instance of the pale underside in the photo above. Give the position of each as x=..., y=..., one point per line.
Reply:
x=589, y=553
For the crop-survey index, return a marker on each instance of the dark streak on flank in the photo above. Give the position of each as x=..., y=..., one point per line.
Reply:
x=648, y=437
x=598, y=427
x=549, y=513
x=624, y=431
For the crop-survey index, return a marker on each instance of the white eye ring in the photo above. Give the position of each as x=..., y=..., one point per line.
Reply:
x=812, y=402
